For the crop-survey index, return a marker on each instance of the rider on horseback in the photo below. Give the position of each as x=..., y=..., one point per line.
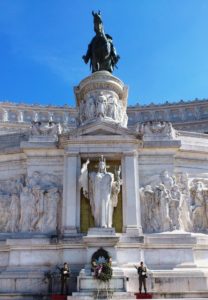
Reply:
x=101, y=52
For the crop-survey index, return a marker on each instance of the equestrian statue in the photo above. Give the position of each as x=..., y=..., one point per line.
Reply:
x=101, y=53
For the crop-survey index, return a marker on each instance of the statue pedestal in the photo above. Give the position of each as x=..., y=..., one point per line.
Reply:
x=97, y=237
x=101, y=237
x=102, y=96
x=90, y=288
x=94, y=231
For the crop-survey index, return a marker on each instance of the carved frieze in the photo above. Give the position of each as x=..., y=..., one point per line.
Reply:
x=102, y=104
x=30, y=204
x=175, y=202
x=102, y=96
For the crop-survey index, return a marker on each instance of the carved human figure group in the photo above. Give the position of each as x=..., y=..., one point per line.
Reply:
x=31, y=204
x=102, y=105
x=174, y=202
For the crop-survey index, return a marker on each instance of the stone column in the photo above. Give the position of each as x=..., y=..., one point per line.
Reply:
x=20, y=116
x=69, y=213
x=5, y=116
x=131, y=201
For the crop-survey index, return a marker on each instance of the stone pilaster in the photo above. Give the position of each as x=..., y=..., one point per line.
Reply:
x=131, y=201
x=69, y=209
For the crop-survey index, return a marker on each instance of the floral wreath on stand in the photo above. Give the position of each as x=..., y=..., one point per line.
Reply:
x=101, y=264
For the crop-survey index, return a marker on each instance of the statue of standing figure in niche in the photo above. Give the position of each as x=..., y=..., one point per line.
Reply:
x=102, y=189
x=101, y=52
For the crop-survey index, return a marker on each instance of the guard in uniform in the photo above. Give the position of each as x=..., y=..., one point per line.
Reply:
x=142, y=272
x=65, y=274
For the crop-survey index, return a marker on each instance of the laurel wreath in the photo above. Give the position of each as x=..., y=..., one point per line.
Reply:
x=103, y=272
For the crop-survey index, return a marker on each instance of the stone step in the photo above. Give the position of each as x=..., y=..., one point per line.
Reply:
x=90, y=296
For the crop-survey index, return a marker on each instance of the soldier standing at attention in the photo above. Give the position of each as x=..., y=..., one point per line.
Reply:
x=65, y=274
x=142, y=272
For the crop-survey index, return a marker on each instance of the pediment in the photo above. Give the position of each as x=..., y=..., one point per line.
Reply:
x=101, y=127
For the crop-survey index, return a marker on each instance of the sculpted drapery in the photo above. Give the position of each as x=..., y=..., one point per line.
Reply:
x=102, y=189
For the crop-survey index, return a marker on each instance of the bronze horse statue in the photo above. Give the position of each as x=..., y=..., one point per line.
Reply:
x=101, y=52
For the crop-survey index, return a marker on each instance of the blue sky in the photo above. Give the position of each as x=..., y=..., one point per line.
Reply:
x=163, y=46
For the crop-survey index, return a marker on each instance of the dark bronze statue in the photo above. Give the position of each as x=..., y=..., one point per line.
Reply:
x=101, y=52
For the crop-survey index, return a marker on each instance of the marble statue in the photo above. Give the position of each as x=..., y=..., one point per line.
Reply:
x=14, y=214
x=89, y=107
x=162, y=198
x=82, y=111
x=174, y=207
x=112, y=108
x=149, y=210
x=102, y=189
x=199, y=195
x=37, y=208
x=25, y=202
x=101, y=105
x=51, y=203
x=167, y=180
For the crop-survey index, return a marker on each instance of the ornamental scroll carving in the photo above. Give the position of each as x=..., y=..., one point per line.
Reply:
x=175, y=203
x=31, y=204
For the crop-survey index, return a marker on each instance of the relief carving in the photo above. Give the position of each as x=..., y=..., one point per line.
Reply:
x=199, y=206
x=47, y=129
x=102, y=104
x=174, y=203
x=161, y=203
x=156, y=130
x=31, y=204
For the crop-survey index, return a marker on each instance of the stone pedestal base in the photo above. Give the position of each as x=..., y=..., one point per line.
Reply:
x=96, y=231
x=101, y=236
x=91, y=296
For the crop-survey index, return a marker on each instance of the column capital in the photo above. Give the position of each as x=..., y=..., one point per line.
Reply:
x=130, y=153
x=71, y=154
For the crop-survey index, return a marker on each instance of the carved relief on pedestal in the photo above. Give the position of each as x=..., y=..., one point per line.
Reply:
x=156, y=130
x=30, y=204
x=103, y=105
x=102, y=96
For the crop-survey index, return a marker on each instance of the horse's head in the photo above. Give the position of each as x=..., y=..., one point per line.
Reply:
x=98, y=24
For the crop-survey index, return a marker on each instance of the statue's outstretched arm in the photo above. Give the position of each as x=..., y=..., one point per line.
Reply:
x=88, y=55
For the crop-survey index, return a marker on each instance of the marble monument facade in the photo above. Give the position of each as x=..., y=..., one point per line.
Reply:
x=50, y=168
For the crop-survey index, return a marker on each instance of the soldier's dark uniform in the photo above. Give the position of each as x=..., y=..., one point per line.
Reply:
x=142, y=272
x=65, y=274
